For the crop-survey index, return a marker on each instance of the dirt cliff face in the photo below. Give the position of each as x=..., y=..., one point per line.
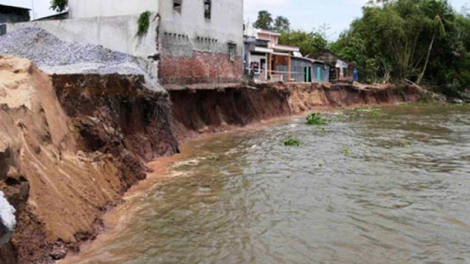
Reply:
x=73, y=145
x=197, y=112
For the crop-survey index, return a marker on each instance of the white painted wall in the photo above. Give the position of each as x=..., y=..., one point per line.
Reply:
x=225, y=25
x=105, y=8
x=115, y=33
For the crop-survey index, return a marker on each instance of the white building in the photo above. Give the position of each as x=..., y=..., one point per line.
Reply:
x=199, y=41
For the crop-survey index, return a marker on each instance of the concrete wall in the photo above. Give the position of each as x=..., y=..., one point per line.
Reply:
x=105, y=8
x=115, y=33
x=210, y=35
x=190, y=38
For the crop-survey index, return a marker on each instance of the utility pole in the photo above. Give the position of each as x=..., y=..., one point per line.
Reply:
x=33, y=15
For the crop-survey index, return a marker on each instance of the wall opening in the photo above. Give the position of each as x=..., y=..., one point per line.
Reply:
x=177, y=5
x=207, y=9
x=231, y=51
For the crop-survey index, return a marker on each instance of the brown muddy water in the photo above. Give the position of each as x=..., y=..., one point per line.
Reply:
x=383, y=186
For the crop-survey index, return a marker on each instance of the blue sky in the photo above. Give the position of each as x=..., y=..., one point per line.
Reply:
x=309, y=14
x=303, y=14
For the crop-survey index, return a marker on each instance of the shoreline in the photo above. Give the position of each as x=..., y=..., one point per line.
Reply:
x=87, y=139
x=115, y=217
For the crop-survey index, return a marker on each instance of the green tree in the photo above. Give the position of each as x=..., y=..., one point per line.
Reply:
x=310, y=43
x=59, y=5
x=438, y=10
x=425, y=41
x=281, y=24
x=264, y=21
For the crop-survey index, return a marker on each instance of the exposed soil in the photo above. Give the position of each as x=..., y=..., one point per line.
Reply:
x=77, y=142
x=197, y=112
x=75, y=145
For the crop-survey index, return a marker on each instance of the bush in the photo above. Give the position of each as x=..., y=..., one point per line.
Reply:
x=144, y=23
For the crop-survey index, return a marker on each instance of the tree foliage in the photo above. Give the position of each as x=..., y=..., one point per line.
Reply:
x=264, y=21
x=59, y=5
x=419, y=40
x=310, y=43
x=281, y=24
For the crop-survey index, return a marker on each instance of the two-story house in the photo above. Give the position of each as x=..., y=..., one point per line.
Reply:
x=267, y=60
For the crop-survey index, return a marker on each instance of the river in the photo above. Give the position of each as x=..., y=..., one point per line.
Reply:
x=387, y=185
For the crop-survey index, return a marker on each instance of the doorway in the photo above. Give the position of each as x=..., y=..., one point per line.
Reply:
x=308, y=74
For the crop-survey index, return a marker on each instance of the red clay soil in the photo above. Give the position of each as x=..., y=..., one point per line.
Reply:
x=76, y=143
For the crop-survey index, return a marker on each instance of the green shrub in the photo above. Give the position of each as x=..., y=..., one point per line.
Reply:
x=143, y=23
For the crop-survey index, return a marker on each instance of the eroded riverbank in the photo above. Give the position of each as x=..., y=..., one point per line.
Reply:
x=74, y=143
x=381, y=186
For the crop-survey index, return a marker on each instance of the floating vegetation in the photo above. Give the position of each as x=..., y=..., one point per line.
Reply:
x=340, y=116
x=213, y=158
x=347, y=151
x=322, y=130
x=291, y=142
x=376, y=112
x=316, y=119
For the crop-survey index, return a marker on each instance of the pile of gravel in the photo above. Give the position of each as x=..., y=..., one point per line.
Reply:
x=55, y=56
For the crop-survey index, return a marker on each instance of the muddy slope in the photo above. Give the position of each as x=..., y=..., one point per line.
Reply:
x=74, y=144
x=197, y=112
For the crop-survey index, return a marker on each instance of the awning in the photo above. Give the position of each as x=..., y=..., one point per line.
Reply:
x=281, y=54
x=263, y=50
x=285, y=48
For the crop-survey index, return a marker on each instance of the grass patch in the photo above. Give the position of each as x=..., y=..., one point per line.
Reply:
x=292, y=142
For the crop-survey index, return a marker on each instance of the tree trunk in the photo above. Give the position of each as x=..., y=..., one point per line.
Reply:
x=427, y=60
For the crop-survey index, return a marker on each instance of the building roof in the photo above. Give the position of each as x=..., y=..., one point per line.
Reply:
x=16, y=7
x=21, y=4
x=285, y=48
x=326, y=51
x=264, y=31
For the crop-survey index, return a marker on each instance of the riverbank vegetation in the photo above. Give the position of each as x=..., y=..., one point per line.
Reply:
x=423, y=42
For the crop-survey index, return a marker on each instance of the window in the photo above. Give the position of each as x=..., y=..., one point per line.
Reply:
x=207, y=9
x=177, y=5
x=231, y=51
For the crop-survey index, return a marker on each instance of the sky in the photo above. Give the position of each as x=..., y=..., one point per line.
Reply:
x=303, y=14
x=310, y=14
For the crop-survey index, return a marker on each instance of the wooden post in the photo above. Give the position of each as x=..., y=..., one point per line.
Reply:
x=268, y=65
x=289, y=65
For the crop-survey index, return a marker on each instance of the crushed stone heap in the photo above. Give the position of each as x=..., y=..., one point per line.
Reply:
x=55, y=56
